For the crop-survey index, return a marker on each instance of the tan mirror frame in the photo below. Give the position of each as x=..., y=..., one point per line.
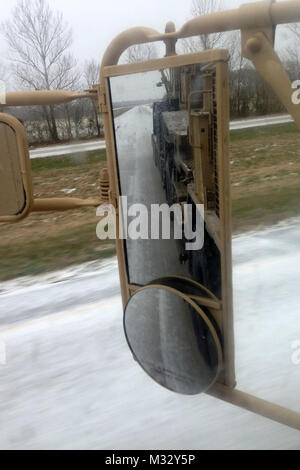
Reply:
x=222, y=236
x=25, y=167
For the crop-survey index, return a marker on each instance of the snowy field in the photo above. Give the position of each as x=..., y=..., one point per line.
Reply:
x=70, y=381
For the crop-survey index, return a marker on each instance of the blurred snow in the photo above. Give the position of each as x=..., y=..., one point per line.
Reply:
x=70, y=381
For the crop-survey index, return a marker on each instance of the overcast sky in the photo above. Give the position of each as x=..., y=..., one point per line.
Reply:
x=96, y=22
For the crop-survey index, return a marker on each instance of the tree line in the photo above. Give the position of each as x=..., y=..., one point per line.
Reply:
x=39, y=42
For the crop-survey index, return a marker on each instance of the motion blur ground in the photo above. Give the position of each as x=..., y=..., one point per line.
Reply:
x=70, y=381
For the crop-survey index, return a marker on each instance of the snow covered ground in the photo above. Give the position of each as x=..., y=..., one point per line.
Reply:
x=70, y=380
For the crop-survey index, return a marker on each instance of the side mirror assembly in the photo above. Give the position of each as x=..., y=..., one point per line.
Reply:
x=16, y=196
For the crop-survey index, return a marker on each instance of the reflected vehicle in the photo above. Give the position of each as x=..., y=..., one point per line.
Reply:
x=171, y=146
x=159, y=116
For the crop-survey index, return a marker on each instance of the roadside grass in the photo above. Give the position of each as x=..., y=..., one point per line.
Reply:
x=265, y=176
x=68, y=161
x=55, y=240
x=50, y=253
x=263, y=131
x=258, y=209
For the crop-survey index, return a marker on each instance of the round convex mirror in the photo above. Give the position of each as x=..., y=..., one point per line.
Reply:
x=173, y=340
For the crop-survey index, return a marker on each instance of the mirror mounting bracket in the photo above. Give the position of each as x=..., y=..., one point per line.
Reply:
x=102, y=101
x=258, y=46
x=171, y=42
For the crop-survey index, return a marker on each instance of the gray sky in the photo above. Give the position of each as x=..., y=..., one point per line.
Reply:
x=96, y=22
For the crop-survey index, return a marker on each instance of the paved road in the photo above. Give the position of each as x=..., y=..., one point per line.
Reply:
x=55, y=150
x=70, y=381
x=259, y=122
x=141, y=182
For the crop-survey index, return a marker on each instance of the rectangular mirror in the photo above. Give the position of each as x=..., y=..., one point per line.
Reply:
x=142, y=178
x=169, y=128
x=169, y=135
x=169, y=123
x=15, y=177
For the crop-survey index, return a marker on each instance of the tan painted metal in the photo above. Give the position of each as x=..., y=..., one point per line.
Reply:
x=15, y=171
x=258, y=48
x=248, y=16
x=104, y=185
x=31, y=98
x=202, y=57
x=11, y=181
x=257, y=405
x=43, y=97
x=199, y=144
x=63, y=204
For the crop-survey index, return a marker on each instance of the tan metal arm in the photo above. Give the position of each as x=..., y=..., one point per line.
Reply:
x=249, y=16
x=62, y=204
x=259, y=50
x=43, y=97
x=257, y=405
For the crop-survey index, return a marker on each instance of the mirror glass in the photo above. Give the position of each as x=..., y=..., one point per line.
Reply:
x=152, y=116
x=172, y=341
x=185, y=286
x=12, y=195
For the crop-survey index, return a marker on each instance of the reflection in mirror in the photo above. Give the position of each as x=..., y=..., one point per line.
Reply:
x=185, y=286
x=161, y=118
x=12, y=197
x=172, y=341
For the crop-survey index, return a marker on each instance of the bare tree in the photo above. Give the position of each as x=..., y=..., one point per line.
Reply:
x=91, y=77
x=291, y=61
x=140, y=53
x=39, y=40
x=205, y=41
x=237, y=64
x=144, y=52
x=3, y=72
x=290, y=54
